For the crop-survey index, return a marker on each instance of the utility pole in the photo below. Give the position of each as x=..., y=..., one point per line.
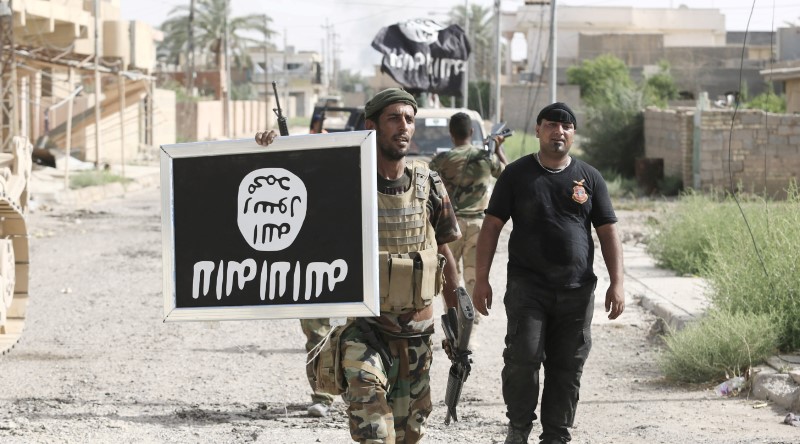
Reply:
x=266, y=78
x=285, y=68
x=190, y=44
x=121, y=86
x=553, y=52
x=98, y=87
x=465, y=88
x=497, y=64
x=8, y=79
x=334, y=60
x=327, y=64
x=228, y=83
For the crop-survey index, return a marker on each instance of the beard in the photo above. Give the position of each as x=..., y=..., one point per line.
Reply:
x=392, y=152
x=394, y=147
x=555, y=148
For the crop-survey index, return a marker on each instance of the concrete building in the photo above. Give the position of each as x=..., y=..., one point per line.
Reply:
x=703, y=56
x=55, y=65
x=787, y=76
x=298, y=75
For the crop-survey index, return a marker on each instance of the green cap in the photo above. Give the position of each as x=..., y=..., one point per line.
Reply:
x=386, y=98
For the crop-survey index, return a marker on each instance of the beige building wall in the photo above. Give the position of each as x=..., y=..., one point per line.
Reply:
x=737, y=147
x=116, y=40
x=136, y=143
x=793, y=95
x=165, y=128
x=668, y=136
x=680, y=27
x=199, y=121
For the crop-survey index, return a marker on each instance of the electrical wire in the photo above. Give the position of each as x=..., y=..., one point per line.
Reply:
x=730, y=158
x=532, y=103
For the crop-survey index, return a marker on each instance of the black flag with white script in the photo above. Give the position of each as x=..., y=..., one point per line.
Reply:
x=422, y=55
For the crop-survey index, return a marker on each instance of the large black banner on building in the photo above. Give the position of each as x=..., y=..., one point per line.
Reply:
x=424, y=56
x=286, y=231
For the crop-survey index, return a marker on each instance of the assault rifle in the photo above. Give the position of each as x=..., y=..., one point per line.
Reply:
x=499, y=129
x=457, y=326
x=281, y=118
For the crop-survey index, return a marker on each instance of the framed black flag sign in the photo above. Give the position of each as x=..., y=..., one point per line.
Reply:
x=284, y=231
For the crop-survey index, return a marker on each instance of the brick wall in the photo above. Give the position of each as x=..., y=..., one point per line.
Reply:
x=752, y=149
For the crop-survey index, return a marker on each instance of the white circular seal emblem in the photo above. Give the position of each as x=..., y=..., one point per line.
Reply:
x=271, y=208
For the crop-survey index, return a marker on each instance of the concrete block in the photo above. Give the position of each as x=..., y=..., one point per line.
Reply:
x=779, y=388
x=750, y=118
x=795, y=375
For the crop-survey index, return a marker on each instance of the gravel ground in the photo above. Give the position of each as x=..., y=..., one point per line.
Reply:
x=96, y=364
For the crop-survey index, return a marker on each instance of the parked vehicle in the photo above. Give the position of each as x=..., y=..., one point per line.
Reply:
x=432, y=133
x=340, y=118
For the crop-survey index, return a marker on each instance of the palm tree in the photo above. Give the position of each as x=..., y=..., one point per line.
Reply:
x=481, y=32
x=481, y=37
x=209, y=30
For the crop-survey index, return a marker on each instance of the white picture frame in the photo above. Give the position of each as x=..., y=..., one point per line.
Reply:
x=197, y=184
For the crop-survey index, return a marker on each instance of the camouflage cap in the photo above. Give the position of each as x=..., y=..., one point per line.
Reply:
x=385, y=98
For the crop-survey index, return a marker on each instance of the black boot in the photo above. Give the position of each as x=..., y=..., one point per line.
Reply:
x=517, y=435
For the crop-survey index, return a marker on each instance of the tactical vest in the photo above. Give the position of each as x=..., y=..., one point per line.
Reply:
x=410, y=266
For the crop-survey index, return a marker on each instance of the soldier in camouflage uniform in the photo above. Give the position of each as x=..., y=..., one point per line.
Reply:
x=315, y=330
x=389, y=399
x=467, y=173
x=386, y=359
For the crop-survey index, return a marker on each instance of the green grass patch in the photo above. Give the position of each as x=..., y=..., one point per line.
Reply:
x=620, y=187
x=519, y=145
x=682, y=235
x=760, y=274
x=92, y=178
x=751, y=260
x=717, y=347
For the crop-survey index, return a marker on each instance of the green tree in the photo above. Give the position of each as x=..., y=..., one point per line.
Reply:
x=614, y=130
x=348, y=80
x=597, y=77
x=208, y=30
x=768, y=101
x=481, y=33
x=481, y=37
x=660, y=87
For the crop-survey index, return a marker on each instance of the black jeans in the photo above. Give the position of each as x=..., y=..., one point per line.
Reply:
x=550, y=327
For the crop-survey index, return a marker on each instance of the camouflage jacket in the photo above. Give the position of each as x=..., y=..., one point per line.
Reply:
x=467, y=173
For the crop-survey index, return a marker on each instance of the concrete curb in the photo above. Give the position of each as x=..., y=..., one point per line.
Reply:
x=680, y=301
x=87, y=195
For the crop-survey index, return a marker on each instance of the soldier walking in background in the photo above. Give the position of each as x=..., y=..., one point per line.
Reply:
x=467, y=173
x=315, y=330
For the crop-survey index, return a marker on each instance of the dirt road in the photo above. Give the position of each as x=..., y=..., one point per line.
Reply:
x=97, y=365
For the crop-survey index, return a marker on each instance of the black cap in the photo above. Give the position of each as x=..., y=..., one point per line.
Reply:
x=557, y=112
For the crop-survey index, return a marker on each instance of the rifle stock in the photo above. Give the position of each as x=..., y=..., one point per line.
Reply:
x=457, y=325
x=278, y=112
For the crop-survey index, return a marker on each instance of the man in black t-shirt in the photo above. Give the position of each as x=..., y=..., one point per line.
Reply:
x=553, y=200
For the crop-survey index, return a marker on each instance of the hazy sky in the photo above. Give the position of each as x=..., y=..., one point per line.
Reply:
x=301, y=23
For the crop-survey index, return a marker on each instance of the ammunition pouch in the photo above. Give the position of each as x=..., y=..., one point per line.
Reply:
x=409, y=281
x=327, y=365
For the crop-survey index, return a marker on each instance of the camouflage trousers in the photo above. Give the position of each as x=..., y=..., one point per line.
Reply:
x=464, y=254
x=387, y=406
x=315, y=330
x=464, y=250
